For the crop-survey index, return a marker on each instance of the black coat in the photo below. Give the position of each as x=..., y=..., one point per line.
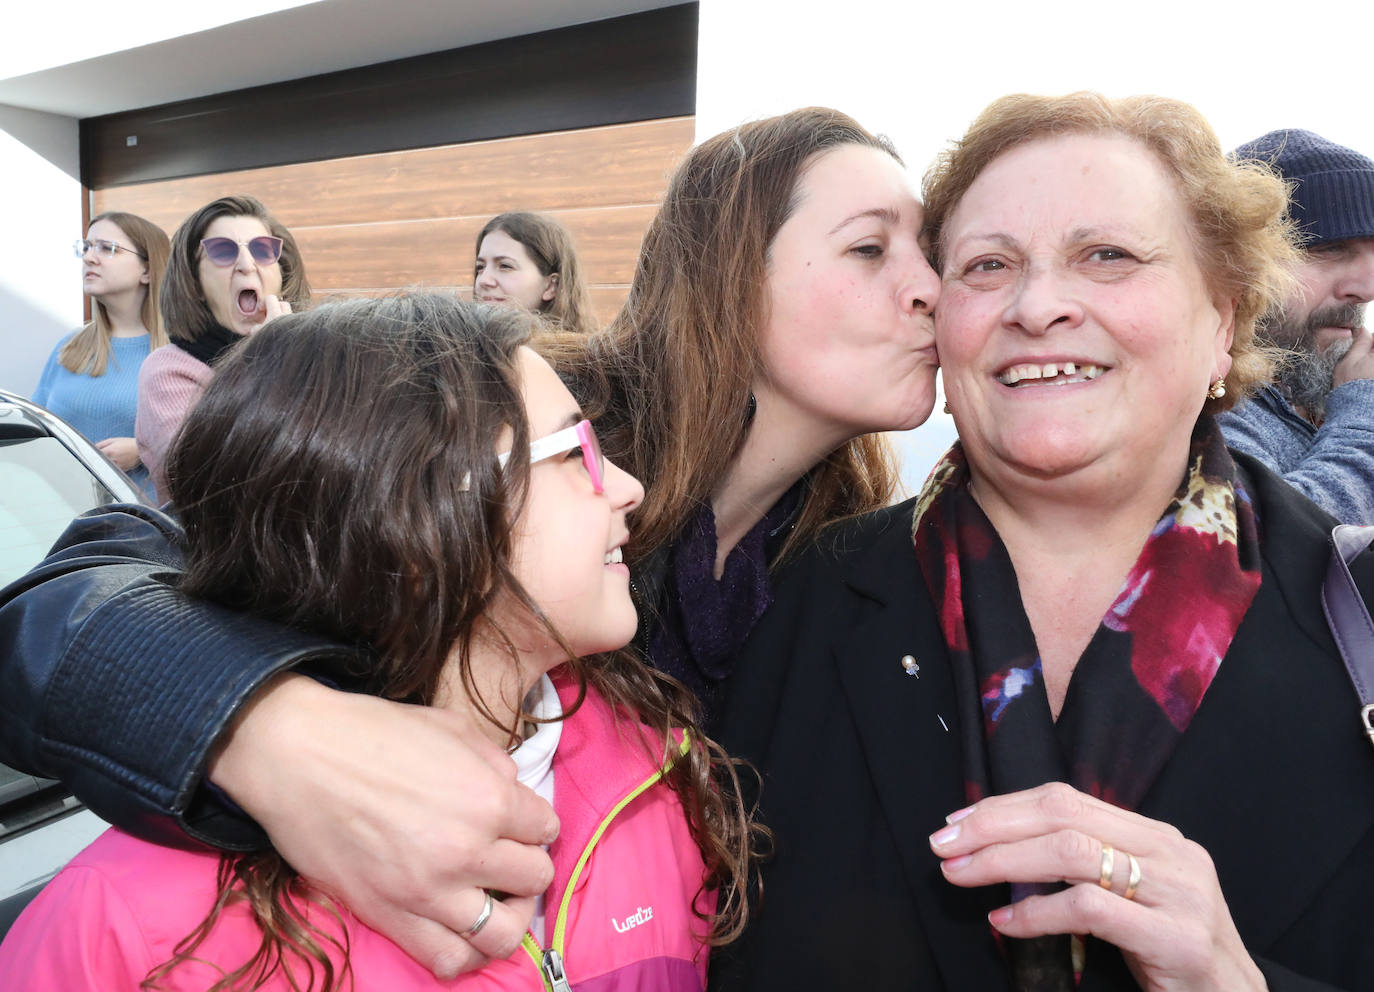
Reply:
x=861, y=763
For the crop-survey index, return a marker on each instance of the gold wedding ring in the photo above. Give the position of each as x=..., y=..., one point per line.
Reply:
x=1104, y=877
x=1133, y=882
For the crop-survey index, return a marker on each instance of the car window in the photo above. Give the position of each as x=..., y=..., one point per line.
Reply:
x=45, y=486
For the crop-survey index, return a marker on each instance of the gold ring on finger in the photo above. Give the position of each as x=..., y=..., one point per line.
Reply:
x=1133, y=882
x=1104, y=876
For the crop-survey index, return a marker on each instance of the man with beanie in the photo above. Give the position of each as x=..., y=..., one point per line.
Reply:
x=1315, y=424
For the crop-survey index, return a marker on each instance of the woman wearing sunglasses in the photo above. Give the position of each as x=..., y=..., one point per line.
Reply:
x=233, y=267
x=91, y=379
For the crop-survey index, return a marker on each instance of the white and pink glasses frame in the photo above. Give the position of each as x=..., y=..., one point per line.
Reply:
x=579, y=435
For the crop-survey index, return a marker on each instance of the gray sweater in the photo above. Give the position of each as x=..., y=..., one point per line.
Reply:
x=1332, y=465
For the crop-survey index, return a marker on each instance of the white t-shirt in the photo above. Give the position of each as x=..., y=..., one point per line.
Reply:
x=534, y=762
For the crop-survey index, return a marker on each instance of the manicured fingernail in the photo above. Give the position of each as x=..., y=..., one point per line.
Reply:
x=954, y=864
x=1000, y=917
x=959, y=814
x=943, y=836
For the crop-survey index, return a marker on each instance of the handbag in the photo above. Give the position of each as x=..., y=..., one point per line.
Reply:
x=1348, y=616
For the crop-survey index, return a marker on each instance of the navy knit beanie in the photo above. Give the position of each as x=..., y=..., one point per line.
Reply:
x=1334, y=197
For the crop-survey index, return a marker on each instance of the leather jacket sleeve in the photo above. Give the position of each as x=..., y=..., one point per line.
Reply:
x=114, y=682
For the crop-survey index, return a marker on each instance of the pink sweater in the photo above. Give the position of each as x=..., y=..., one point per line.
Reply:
x=619, y=910
x=169, y=384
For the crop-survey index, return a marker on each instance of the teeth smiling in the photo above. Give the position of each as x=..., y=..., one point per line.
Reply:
x=614, y=556
x=1061, y=374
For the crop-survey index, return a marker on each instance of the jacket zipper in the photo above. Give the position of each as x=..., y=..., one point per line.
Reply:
x=552, y=968
x=550, y=961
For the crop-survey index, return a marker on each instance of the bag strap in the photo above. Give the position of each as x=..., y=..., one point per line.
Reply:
x=1349, y=618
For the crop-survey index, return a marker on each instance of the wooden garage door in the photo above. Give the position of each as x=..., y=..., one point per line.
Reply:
x=374, y=223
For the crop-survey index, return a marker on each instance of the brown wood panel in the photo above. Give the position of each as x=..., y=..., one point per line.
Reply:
x=606, y=300
x=372, y=224
x=603, y=166
x=440, y=252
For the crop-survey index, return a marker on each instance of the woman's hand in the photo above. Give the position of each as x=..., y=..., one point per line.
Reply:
x=273, y=307
x=405, y=813
x=1176, y=931
x=123, y=451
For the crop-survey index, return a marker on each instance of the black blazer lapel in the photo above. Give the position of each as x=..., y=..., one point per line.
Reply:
x=908, y=730
x=1272, y=776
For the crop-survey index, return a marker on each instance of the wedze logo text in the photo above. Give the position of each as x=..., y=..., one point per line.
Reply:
x=641, y=915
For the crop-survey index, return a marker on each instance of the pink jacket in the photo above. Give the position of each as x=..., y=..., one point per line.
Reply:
x=169, y=384
x=619, y=917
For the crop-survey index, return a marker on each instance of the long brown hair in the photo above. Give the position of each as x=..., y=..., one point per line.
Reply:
x=671, y=376
x=184, y=310
x=88, y=352
x=550, y=247
x=338, y=475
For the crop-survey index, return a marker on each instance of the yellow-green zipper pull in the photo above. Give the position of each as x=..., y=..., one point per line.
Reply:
x=553, y=971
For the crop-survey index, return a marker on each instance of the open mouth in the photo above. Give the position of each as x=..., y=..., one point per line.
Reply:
x=1049, y=374
x=248, y=302
x=615, y=556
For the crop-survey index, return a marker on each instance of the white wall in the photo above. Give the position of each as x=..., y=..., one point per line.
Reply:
x=40, y=279
x=921, y=72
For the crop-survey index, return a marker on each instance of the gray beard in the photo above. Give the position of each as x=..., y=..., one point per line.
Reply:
x=1306, y=376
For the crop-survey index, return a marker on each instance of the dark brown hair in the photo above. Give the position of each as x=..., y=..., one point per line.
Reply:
x=671, y=377
x=338, y=475
x=1238, y=210
x=185, y=313
x=550, y=247
x=88, y=352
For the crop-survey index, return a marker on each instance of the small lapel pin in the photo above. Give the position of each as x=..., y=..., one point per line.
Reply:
x=910, y=667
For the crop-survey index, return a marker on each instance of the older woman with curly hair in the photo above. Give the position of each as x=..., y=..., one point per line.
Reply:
x=1082, y=684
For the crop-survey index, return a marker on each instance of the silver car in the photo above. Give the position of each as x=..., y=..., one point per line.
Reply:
x=49, y=474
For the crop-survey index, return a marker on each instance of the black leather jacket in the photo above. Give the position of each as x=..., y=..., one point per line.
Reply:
x=109, y=625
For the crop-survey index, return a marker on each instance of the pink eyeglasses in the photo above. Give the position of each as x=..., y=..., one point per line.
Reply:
x=579, y=435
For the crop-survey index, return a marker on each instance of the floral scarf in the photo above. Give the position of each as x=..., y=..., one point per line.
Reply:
x=1140, y=679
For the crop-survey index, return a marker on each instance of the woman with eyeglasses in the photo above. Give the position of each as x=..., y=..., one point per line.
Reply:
x=91, y=379
x=233, y=267
x=528, y=260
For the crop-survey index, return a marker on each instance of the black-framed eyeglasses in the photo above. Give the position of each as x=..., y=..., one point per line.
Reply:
x=103, y=249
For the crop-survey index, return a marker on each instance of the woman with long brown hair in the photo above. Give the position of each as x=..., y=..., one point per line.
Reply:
x=528, y=260
x=347, y=472
x=91, y=379
x=780, y=314
x=781, y=310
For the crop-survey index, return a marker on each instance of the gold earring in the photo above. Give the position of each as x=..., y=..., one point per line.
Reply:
x=1218, y=389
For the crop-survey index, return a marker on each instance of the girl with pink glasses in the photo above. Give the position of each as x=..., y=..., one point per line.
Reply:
x=406, y=477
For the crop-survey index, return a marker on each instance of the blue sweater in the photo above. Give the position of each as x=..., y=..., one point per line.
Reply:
x=1333, y=465
x=98, y=406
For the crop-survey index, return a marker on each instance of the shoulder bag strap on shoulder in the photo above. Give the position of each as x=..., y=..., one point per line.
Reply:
x=1348, y=616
